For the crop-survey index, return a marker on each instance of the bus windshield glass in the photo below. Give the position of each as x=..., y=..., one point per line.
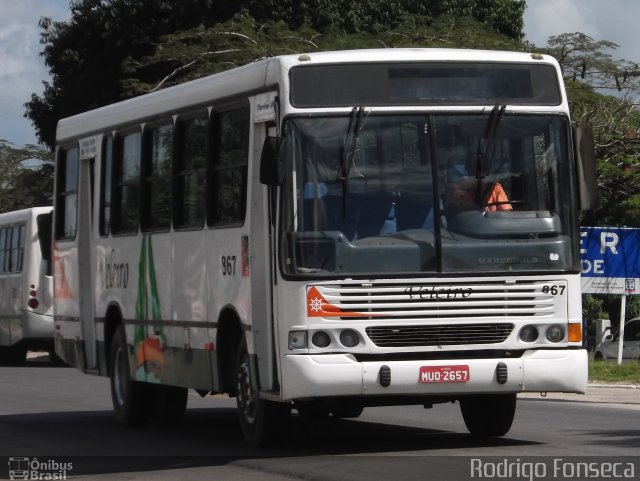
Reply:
x=439, y=193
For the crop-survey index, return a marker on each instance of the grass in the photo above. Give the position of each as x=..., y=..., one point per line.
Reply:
x=611, y=372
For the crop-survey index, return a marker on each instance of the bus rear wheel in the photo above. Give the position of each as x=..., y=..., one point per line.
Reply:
x=127, y=395
x=260, y=420
x=488, y=414
x=13, y=355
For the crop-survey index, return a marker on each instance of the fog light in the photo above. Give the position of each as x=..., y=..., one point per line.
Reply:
x=555, y=333
x=529, y=333
x=320, y=339
x=297, y=339
x=349, y=338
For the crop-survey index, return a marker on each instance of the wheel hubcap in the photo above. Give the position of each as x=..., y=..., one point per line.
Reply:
x=119, y=377
x=246, y=396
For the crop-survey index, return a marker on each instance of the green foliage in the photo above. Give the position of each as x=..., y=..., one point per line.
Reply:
x=146, y=41
x=26, y=177
x=201, y=51
x=611, y=304
x=590, y=74
x=375, y=16
x=85, y=55
x=109, y=51
x=610, y=371
x=592, y=308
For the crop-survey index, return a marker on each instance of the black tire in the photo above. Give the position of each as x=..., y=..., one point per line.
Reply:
x=488, y=414
x=13, y=355
x=260, y=420
x=128, y=396
x=168, y=404
x=598, y=357
x=56, y=360
x=347, y=409
x=312, y=409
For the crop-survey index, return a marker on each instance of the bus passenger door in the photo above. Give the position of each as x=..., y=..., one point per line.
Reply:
x=263, y=254
x=86, y=260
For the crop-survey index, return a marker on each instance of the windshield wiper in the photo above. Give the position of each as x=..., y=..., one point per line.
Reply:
x=487, y=151
x=348, y=152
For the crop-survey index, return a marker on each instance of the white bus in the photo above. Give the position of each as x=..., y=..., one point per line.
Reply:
x=26, y=283
x=325, y=232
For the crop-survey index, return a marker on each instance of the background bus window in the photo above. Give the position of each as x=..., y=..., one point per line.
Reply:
x=107, y=185
x=191, y=182
x=17, y=248
x=67, y=199
x=3, y=250
x=229, y=167
x=156, y=213
x=12, y=249
x=127, y=190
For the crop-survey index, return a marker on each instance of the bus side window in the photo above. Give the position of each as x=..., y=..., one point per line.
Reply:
x=106, y=186
x=191, y=167
x=157, y=165
x=67, y=198
x=3, y=250
x=229, y=166
x=17, y=248
x=127, y=198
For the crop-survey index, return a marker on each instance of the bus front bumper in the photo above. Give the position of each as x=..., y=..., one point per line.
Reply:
x=313, y=376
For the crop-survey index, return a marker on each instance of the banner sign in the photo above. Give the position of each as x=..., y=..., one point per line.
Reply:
x=610, y=260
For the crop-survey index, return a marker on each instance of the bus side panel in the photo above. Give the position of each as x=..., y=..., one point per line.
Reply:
x=10, y=318
x=187, y=360
x=68, y=333
x=38, y=322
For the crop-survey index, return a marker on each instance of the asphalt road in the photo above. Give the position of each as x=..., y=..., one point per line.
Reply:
x=59, y=415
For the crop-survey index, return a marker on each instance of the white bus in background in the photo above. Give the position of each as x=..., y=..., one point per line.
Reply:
x=326, y=232
x=26, y=283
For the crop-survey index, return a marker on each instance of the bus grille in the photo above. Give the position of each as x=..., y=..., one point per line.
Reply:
x=450, y=300
x=410, y=336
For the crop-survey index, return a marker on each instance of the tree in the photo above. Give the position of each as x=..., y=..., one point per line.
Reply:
x=186, y=55
x=26, y=177
x=107, y=41
x=85, y=55
x=592, y=75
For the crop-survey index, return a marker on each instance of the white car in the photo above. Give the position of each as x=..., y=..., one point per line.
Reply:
x=608, y=348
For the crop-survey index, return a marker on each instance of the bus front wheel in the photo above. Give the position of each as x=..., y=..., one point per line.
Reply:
x=260, y=420
x=488, y=414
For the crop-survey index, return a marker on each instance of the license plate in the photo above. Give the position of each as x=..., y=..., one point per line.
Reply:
x=458, y=373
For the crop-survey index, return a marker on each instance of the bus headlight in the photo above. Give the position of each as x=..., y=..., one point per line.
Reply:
x=297, y=340
x=320, y=339
x=555, y=333
x=349, y=338
x=529, y=333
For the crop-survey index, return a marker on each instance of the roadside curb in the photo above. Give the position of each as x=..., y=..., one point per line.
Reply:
x=619, y=386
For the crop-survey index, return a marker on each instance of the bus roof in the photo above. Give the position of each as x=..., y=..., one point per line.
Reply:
x=23, y=214
x=258, y=77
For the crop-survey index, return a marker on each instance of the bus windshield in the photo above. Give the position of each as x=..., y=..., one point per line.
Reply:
x=369, y=193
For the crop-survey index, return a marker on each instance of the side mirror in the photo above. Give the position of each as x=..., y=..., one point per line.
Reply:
x=586, y=167
x=269, y=162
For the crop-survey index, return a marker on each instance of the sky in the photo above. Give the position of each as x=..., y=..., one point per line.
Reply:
x=22, y=69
